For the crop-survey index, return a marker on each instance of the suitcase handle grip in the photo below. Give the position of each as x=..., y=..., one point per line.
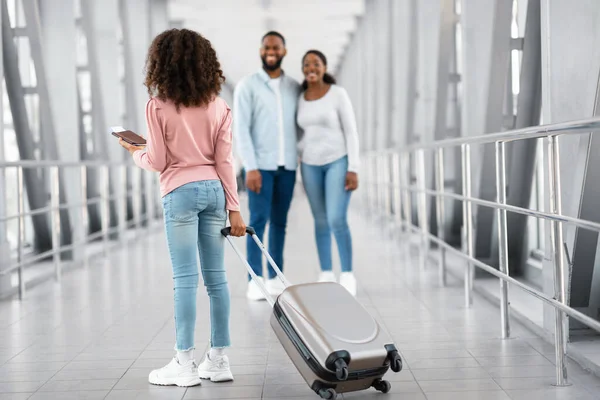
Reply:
x=227, y=231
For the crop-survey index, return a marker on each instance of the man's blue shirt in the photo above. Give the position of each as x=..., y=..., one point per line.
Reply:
x=255, y=122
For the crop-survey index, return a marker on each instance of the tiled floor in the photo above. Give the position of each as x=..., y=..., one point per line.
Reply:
x=99, y=333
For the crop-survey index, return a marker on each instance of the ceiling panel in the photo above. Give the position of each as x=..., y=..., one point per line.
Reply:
x=235, y=28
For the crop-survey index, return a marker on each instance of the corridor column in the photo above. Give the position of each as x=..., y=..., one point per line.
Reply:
x=59, y=48
x=383, y=75
x=570, y=80
x=135, y=17
x=404, y=70
x=5, y=283
x=159, y=17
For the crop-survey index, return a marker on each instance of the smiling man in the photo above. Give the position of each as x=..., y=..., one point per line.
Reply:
x=265, y=132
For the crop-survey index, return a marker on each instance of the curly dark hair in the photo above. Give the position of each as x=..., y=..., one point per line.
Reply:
x=183, y=67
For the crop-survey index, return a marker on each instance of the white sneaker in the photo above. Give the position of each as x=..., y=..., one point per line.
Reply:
x=216, y=370
x=327, y=276
x=176, y=374
x=254, y=292
x=275, y=286
x=348, y=281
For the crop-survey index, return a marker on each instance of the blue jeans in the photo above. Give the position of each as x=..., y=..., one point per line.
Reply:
x=194, y=216
x=271, y=204
x=329, y=200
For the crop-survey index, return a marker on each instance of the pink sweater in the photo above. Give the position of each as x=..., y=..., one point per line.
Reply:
x=192, y=145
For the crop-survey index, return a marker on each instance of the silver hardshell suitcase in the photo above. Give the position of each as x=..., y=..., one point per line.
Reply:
x=333, y=341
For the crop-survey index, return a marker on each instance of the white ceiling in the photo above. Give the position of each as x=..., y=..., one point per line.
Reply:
x=235, y=28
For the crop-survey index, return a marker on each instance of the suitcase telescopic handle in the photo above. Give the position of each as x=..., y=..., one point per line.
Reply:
x=227, y=231
x=250, y=231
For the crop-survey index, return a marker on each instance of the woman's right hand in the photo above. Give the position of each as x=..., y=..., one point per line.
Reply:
x=238, y=227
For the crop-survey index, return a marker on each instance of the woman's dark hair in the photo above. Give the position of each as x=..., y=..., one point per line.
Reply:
x=327, y=78
x=183, y=67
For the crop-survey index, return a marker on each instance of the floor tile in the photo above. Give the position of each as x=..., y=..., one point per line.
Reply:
x=16, y=387
x=491, y=395
x=150, y=393
x=450, y=373
x=15, y=396
x=287, y=390
x=533, y=360
x=374, y=395
x=78, y=385
x=78, y=395
x=537, y=383
x=430, y=363
x=239, y=392
x=567, y=393
x=529, y=371
x=24, y=376
x=459, y=385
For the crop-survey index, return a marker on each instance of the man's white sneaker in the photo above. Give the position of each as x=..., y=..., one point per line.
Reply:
x=176, y=374
x=254, y=292
x=327, y=276
x=275, y=286
x=348, y=281
x=216, y=370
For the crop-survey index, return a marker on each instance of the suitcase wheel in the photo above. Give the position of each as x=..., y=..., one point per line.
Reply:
x=327, y=393
x=341, y=369
x=395, y=361
x=382, y=386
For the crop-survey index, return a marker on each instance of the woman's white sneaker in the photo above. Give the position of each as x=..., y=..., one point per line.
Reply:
x=326, y=276
x=216, y=370
x=176, y=374
x=254, y=292
x=348, y=281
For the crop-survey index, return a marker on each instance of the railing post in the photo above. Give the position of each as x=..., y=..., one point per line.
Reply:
x=502, y=236
x=374, y=179
x=105, y=205
x=123, y=204
x=149, y=200
x=422, y=204
x=467, y=220
x=21, y=231
x=137, y=198
x=84, y=210
x=385, y=187
x=406, y=184
x=396, y=184
x=55, y=220
x=366, y=187
x=378, y=181
x=157, y=198
x=440, y=212
x=556, y=247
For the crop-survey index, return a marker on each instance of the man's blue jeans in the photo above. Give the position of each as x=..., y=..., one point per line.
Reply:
x=271, y=204
x=194, y=216
x=329, y=200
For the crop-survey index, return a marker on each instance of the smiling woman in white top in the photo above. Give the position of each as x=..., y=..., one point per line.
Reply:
x=329, y=154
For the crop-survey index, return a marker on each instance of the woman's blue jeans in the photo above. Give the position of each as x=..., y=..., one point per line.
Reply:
x=194, y=216
x=329, y=200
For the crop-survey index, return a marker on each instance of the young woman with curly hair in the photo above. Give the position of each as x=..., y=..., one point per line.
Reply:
x=189, y=144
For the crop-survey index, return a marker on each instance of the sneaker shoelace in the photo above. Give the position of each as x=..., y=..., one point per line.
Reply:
x=221, y=363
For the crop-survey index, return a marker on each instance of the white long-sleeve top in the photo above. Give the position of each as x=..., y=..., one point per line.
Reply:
x=329, y=127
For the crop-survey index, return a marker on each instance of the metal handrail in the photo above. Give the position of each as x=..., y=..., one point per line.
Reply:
x=534, y=132
x=581, y=223
x=394, y=192
x=63, y=206
x=65, y=164
x=541, y=296
x=103, y=201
